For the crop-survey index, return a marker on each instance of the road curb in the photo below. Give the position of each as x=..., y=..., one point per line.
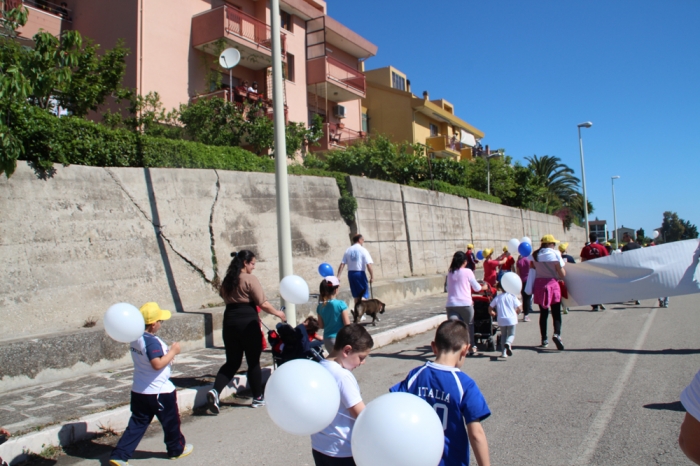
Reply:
x=15, y=450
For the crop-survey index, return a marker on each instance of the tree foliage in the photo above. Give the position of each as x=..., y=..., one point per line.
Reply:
x=66, y=72
x=674, y=228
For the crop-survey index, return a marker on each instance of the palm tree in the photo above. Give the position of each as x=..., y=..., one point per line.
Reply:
x=558, y=178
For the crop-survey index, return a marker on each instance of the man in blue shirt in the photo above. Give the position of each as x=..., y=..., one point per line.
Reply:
x=453, y=394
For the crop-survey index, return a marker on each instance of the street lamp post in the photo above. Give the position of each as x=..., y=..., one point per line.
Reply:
x=498, y=153
x=612, y=180
x=284, y=227
x=586, y=124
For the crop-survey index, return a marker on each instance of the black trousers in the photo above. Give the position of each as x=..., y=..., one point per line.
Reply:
x=241, y=333
x=143, y=408
x=527, y=301
x=324, y=460
x=556, y=317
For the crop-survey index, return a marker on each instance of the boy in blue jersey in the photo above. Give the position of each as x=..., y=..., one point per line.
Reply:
x=152, y=392
x=453, y=394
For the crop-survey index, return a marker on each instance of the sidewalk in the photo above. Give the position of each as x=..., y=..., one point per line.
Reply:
x=70, y=410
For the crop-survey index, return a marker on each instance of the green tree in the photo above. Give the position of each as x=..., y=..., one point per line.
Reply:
x=674, y=228
x=146, y=114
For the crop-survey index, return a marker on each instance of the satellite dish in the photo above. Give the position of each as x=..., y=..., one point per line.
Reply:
x=229, y=58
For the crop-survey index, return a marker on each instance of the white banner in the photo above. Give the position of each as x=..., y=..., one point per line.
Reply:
x=652, y=272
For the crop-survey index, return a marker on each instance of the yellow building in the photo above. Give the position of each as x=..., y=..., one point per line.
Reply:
x=391, y=109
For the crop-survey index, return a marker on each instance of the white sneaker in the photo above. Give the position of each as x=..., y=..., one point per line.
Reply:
x=213, y=401
x=504, y=354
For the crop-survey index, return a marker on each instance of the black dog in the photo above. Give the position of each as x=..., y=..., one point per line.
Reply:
x=370, y=307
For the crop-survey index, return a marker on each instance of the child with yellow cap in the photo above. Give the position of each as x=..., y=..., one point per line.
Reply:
x=152, y=392
x=471, y=258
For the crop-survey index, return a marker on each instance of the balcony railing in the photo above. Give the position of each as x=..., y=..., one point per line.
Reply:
x=346, y=74
x=445, y=146
x=337, y=136
x=248, y=27
x=44, y=5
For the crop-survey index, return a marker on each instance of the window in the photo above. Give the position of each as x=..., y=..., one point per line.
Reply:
x=433, y=130
x=398, y=82
x=288, y=68
x=365, y=123
x=286, y=21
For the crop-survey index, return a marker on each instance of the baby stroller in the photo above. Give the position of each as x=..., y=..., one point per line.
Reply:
x=289, y=343
x=485, y=328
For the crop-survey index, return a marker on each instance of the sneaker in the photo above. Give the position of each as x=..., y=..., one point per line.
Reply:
x=509, y=351
x=526, y=319
x=602, y=308
x=114, y=463
x=565, y=310
x=504, y=355
x=213, y=401
x=544, y=344
x=637, y=302
x=188, y=449
x=557, y=341
x=258, y=402
x=595, y=309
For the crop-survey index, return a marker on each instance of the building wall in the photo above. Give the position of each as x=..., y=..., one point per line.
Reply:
x=296, y=91
x=389, y=113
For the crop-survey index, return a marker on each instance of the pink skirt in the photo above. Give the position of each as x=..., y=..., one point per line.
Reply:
x=546, y=292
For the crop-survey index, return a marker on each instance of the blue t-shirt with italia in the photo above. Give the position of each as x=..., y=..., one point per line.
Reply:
x=331, y=313
x=457, y=401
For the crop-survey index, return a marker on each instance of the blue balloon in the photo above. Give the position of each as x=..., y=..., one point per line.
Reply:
x=480, y=255
x=525, y=249
x=325, y=269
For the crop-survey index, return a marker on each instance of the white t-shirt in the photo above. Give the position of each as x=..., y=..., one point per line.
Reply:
x=147, y=380
x=690, y=397
x=356, y=258
x=335, y=439
x=550, y=255
x=505, y=305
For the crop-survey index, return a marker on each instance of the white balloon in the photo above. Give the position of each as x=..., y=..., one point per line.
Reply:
x=525, y=239
x=398, y=429
x=656, y=234
x=124, y=322
x=294, y=289
x=512, y=283
x=302, y=397
x=513, y=245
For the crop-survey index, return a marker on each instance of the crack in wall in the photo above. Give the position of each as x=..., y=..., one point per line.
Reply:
x=159, y=228
x=214, y=262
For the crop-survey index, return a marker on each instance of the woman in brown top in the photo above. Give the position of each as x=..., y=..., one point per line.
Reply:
x=241, y=291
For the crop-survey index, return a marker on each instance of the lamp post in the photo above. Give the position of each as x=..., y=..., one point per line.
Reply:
x=284, y=228
x=612, y=180
x=586, y=124
x=488, y=157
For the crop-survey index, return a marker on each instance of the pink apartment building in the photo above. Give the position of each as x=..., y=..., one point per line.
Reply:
x=175, y=45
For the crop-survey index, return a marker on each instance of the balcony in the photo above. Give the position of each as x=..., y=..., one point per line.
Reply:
x=448, y=147
x=244, y=100
x=334, y=80
x=43, y=15
x=337, y=136
x=252, y=37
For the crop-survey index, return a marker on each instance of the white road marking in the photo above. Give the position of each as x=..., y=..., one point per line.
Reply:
x=602, y=419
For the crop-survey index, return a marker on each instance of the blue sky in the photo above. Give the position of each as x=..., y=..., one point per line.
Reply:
x=527, y=72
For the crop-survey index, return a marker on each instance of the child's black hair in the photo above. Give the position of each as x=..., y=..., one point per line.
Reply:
x=326, y=291
x=451, y=336
x=354, y=335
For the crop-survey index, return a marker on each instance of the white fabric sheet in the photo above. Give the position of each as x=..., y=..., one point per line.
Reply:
x=647, y=273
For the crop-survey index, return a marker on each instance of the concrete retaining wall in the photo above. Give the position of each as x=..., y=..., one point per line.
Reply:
x=72, y=245
x=435, y=225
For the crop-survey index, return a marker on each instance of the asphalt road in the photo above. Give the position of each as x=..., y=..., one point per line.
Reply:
x=610, y=399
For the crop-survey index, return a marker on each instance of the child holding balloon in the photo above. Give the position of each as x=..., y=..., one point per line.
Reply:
x=454, y=396
x=507, y=307
x=332, y=445
x=152, y=392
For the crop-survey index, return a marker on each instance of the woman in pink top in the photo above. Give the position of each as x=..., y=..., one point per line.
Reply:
x=549, y=267
x=460, y=284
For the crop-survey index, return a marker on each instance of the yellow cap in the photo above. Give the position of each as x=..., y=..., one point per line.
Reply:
x=152, y=313
x=470, y=246
x=487, y=252
x=607, y=243
x=549, y=239
x=563, y=247
x=505, y=248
